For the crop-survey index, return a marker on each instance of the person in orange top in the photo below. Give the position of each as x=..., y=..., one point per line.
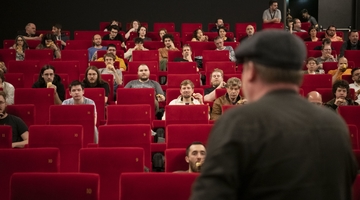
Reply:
x=341, y=70
x=111, y=48
x=331, y=34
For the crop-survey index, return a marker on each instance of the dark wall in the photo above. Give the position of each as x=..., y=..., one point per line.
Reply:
x=297, y=5
x=335, y=12
x=86, y=15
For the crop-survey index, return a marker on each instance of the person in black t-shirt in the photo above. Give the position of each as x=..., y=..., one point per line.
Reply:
x=93, y=80
x=114, y=35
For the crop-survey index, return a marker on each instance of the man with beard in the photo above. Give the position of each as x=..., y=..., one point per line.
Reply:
x=217, y=82
x=273, y=14
x=341, y=70
x=97, y=46
x=305, y=14
x=219, y=23
x=250, y=30
x=145, y=82
x=340, y=90
x=352, y=43
x=195, y=156
x=93, y=80
x=232, y=97
x=331, y=34
x=56, y=30
x=355, y=74
x=20, y=132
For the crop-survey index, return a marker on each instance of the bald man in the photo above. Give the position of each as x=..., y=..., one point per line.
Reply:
x=315, y=98
x=250, y=30
x=30, y=32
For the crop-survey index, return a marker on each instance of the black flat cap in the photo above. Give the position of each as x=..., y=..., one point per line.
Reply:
x=273, y=48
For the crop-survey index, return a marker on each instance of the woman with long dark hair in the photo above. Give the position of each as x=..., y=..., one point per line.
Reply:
x=48, y=41
x=20, y=45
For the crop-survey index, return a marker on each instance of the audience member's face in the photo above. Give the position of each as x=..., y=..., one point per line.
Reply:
x=233, y=91
x=186, y=52
x=142, y=31
x=48, y=42
x=197, y=153
x=331, y=32
x=55, y=31
x=167, y=42
x=97, y=40
x=220, y=22
x=139, y=45
x=250, y=30
x=2, y=106
x=297, y=24
x=274, y=6
x=313, y=32
x=199, y=34
x=31, y=29
x=19, y=41
x=111, y=50
x=143, y=72
x=162, y=33
x=109, y=61
x=186, y=91
x=354, y=37
x=326, y=50
x=48, y=76
x=343, y=64
x=311, y=65
x=113, y=33
x=216, y=79
x=341, y=93
x=76, y=92
x=219, y=43
x=222, y=33
x=92, y=76
x=356, y=76
x=135, y=24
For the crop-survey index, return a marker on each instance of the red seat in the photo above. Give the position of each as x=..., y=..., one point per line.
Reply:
x=68, y=139
x=87, y=35
x=174, y=54
x=198, y=47
x=110, y=80
x=173, y=93
x=58, y=186
x=225, y=108
x=129, y=114
x=349, y=114
x=78, y=44
x=98, y=96
x=175, y=160
x=226, y=66
x=326, y=94
x=82, y=56
x=174, y=186
x=305, y=25
x=347, y=78
x=129, y=77
x=26, y=112
x=174, y=80
x=7, y=54
x=67, y=67
x=213, y=35
x=8, y=43
x=273, y=25
x=33, y=43
x=181, y=67
x=186, y=36
x=182, y=135
x=110, y=163
x=75, y=115
x=240, y=36
x=337, y=46
x=26, y=67
x=25, y=160
x=5, y=136
x=241, y=27
x=179, y=114
x=190, y=27
x=353, y=55
x=126, y=135
x=39, y=54
x=16, y=79
x=312, y=45
x=354, y=135
x=63, y=32
x=170, y=26
x=212, y=25
x=212, y=55
x=311, y=82
x=151, y=55
x=42, y=98
x=134, y=65
x=302, y=35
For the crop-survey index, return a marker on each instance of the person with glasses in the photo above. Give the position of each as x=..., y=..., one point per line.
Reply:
x=326, y=56
x=312, y=66
x=331, y=33
x=355, y=74
x=20, y=134
x=114, y=35
x=341, y=70
x=315, y=98
x=20, y=46
x=48, y=79
x=111, y=48
x=216, y=82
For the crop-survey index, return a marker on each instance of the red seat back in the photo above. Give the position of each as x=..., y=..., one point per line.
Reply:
x=182, y=135
x=170, y=26
x=179, y=114
x=129, y=114
x=175, y=160
x=5, y=136
x=26, y=112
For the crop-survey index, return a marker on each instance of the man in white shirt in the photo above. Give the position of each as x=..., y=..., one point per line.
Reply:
x=355, y=74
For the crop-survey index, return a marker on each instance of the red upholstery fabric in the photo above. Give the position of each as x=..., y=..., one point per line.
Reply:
x=170, y=27
x=220, y=92
x=26, y=67
x=68, y=139
x=226, y=66
x=39, y=54
x=82, y=56
x=42, y=98
x=26, y=112
x=181, y=68
x=211, y=55
x=55, y=186
x=353, y=55
x=326, y=94
x=67, y=67
x=311, y=82
x=109, y=163
x=354, y=135
x=5, y=136
x=190, y=27
x=175, y=160
x=75, y=115
x=273, y=25
x=179, y=114
x=87, y=35
x=81, y=44
x=25, y=160
x=350, y=114
x=174, y=186
x=129, y=114
x=181, y=135
x=146, y=55
x=225, y=108
x=16, y=79
x=98, y=96
x=125, y=135
x=7, y=54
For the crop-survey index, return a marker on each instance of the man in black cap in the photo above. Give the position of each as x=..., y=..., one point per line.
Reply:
x=279, y=145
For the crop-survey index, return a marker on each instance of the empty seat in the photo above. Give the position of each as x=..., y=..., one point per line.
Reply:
x=98, y=96
x=175, y=160
x=68, y=139
x=349, y=114
x=226, y=66
x=7, y=54
x=273, y=25
x=170, y=26
x=146, y=55
x=179, y=114
x=353, y=55
x=26, y=112
x=110, y=163
x=87, y=35
x=82, y=56
x=129, y=114
x=190, y=27
x=225, y=108
x=5, y=136
x=182, y=135
x=39, y=54
x=182, y=68
x=354, y=135
x=78, y=44
x=26, y=67
x=67, y=67
x=311, y=82
x=16, y=79
x=55, y=186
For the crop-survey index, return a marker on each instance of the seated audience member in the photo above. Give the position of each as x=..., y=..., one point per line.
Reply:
x=309, y=18
x=93, y=80
x=195, y=156
x=48, y=79
x=217, y=82
x=352, y=43
x=48, y=41
x=326, y=56
x=355, y=74
x=340, y=89
x=331, y=34
x=219, y=43
x=168, y=40
x=232, y=97
x=134, y=28
x=341, y=70
x=112, y=23
x=186, y=53
x=295, y=26
x=325, y=41
x=8, y=88
x=30, y=32
x=312, y=66
x=315, y=98
x=219, y=23
x=249, y=32
x=187, y=95
x=111, y=48
x=142, y=33
x=312, y=35
x=139, y=46
x=145, y=82
x=162, y=32
x=3, y=67
x=222, y=34
x=96, y=46
x=109, y=60
x=20, y=46
x=272, y=14
x=56, y=30
x=114, y=35
x=198, y=36
x=20, y=134
x=76, y=89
